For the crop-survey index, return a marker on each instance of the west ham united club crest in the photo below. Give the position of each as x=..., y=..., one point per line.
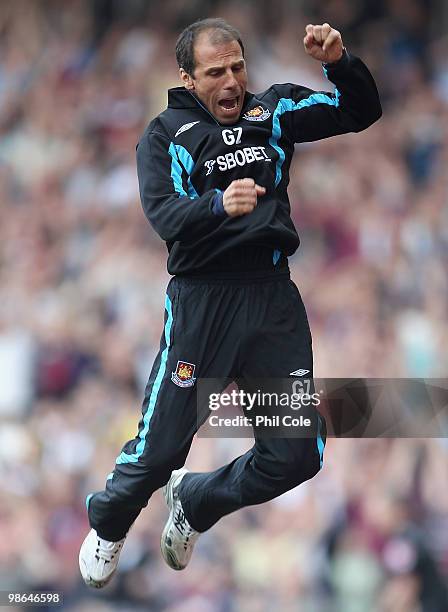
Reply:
x=257, y=114
x=183, y=376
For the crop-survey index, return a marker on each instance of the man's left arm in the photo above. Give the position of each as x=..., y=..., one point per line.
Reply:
x=352, y=107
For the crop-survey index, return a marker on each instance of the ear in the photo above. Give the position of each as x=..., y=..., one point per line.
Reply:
x=187, y=80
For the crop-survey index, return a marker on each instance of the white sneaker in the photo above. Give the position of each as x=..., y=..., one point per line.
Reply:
x=178, y=536
x=98, y=559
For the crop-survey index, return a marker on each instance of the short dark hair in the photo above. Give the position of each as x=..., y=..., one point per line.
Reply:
x=220, y=32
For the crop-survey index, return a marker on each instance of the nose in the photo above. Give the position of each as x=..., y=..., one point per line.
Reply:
x=230, y=82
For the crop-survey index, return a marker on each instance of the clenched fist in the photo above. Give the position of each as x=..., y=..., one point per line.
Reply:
x=323, y=43
x=240, y=197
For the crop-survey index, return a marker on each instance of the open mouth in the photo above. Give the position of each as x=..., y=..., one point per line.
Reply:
x=229, y=105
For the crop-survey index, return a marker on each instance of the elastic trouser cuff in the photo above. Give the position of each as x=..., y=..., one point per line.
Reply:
x=113, y=529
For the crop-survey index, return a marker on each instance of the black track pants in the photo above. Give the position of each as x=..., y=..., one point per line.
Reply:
x=225, y=329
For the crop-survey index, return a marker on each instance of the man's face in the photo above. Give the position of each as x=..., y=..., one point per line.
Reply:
x=220, y=78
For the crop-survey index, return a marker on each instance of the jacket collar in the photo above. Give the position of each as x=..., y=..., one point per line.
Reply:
x=179, y=97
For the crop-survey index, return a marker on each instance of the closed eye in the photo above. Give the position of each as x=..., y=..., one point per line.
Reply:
x=217, y=72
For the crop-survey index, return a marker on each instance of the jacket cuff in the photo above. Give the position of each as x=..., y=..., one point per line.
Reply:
x=218, y=206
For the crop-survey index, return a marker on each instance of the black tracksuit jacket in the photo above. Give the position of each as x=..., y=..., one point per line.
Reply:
x=186, y=159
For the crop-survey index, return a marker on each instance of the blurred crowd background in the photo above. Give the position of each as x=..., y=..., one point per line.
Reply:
x=82, y=282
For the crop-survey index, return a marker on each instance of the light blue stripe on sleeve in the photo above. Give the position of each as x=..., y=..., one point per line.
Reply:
x=176, y=171
x=180, y=154
x=188, y=163
x=286, y=105
x=336, y=90
x=88, y=498
x=133, y=458
x=276, y=256
x=320, y=442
